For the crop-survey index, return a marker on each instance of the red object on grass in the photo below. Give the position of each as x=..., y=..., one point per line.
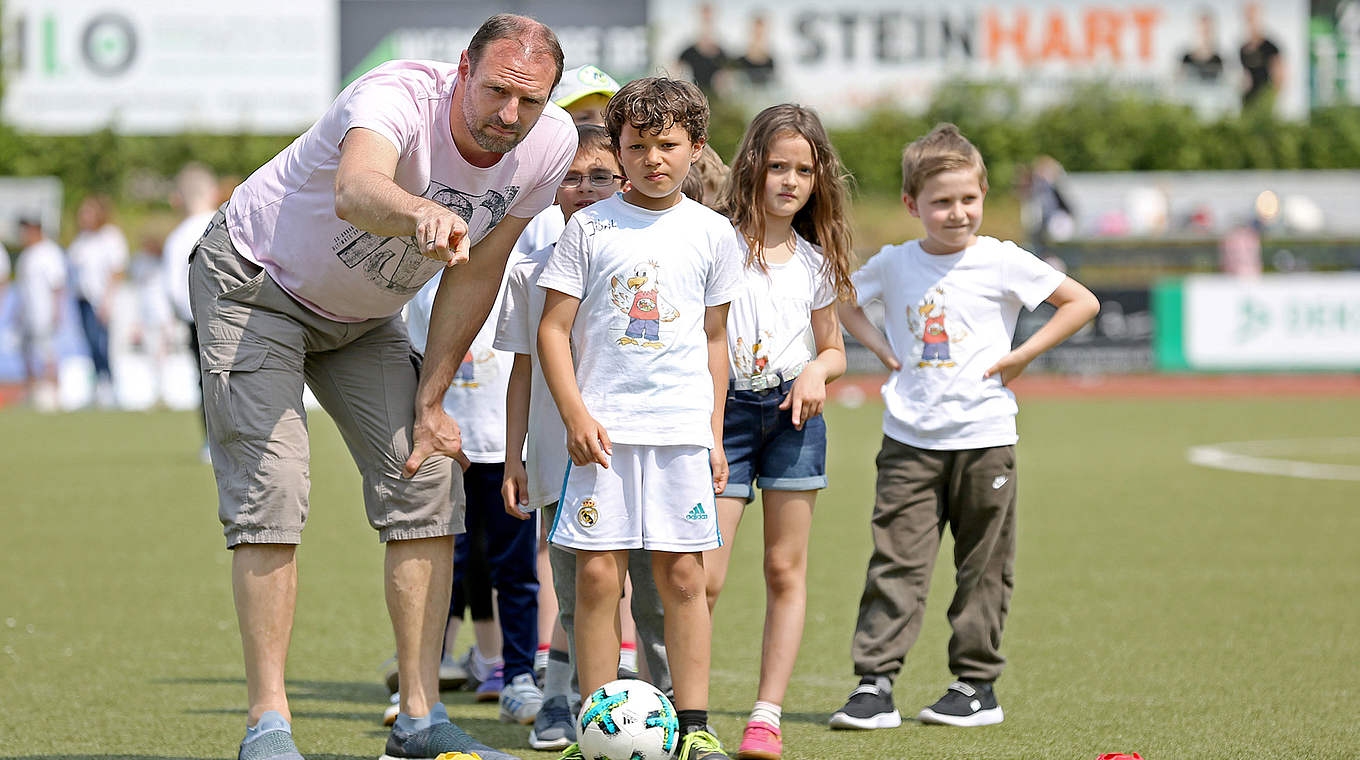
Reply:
x=1120, y=756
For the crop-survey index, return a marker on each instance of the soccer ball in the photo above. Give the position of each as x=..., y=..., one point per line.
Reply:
x=627, y=720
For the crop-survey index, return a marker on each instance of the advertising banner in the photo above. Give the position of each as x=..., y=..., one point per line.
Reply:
x=1276, y=322
x=610, y=35
x=164, y=66
x=847, y=56
x=1117, y=341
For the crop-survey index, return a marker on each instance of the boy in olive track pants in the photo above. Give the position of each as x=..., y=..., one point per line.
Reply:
x=951, y=301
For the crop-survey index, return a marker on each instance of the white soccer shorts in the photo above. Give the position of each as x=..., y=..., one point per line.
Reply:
x=658, y=498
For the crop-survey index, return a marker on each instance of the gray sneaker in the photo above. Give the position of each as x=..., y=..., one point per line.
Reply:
x=273, y=742
x=554, y=727
x=440, y=737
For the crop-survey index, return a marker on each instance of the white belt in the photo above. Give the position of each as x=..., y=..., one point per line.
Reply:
x=764, y=382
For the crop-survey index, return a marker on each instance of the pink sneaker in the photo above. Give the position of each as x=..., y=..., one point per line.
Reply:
x=760, y=741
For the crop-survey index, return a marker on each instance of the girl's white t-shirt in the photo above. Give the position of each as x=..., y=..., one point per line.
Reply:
x=769, y=325
x=644, y=279
x=476, y=399
x=949, y=319
x=283, y=216
x=517, y=332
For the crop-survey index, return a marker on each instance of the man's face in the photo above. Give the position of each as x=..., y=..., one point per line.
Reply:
x=505, y=94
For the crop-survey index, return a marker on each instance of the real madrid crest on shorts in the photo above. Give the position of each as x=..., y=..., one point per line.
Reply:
x=587, y=515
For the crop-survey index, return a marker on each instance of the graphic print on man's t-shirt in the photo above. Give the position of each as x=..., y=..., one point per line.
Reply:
x=930, y=321
x=752, y=359
x=636, y=292
x=395, y=263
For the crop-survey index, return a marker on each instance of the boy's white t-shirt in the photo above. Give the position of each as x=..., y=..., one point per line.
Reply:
x=40, y=270
x=283, y=216
x=476, y=399
x=949, y=319
x=769, y=325
x=644, y=278
x=175, y=255
x=517, y=332
x=541, y=231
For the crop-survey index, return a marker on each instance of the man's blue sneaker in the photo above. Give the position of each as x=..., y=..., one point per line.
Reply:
x=270, y=739
x=438, y=737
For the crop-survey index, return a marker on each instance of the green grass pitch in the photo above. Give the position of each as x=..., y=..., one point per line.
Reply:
x=1161, y=608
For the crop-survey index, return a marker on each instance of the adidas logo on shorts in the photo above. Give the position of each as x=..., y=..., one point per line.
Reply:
x=697, y=513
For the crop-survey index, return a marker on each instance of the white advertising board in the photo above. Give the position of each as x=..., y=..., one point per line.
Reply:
x=164, y=66
x=850, y=55
x=1287, y=321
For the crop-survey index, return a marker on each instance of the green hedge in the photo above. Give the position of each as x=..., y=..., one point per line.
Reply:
x=1098, y=129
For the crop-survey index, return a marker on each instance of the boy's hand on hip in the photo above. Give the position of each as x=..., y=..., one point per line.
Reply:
x=717, y=459
x=1008, y=367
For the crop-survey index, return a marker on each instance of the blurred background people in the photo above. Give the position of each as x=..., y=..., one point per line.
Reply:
x=40, y=281
x=704, y=58
x=196, y=195
x=99, y=257
x=1261, y=62
x=1202, y=62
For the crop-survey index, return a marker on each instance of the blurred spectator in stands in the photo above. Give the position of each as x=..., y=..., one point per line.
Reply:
x=1261, y=62
x=1202, y=63
x=704, y=59
x=756, y=65
x=40, y=281
x=196, y=195
x=154, y=324
x=1044, y=207
x=1239, y=253
x=99, y=256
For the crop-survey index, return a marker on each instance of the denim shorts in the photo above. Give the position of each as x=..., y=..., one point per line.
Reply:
x=763, y=446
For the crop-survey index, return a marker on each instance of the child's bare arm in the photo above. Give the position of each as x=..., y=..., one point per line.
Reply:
x=587, y=440
x=715, y=329
x=808, y=393
x=852, y=316
x=515, y=483
x=1076, y=306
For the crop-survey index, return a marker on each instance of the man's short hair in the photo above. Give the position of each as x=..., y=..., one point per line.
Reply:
x=655, y=104
x=943, y=149
x=536, y=37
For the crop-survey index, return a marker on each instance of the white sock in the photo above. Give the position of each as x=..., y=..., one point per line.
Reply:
x=628, y=657
x=541, y=660
x=483, y=667
x=766, y=712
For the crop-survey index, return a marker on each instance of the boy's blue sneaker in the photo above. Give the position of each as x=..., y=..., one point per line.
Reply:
x=554, y=727
x=439, y=737
x=270, y=739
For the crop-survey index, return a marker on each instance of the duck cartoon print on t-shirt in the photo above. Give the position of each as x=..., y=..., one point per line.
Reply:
x=637, y=293
x=754, y=358
x=467, y=374
x=930, y=322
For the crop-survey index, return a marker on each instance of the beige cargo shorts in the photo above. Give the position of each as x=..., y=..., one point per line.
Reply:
x=258, y=346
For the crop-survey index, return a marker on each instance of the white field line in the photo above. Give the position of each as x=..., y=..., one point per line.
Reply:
x=1267, y=457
